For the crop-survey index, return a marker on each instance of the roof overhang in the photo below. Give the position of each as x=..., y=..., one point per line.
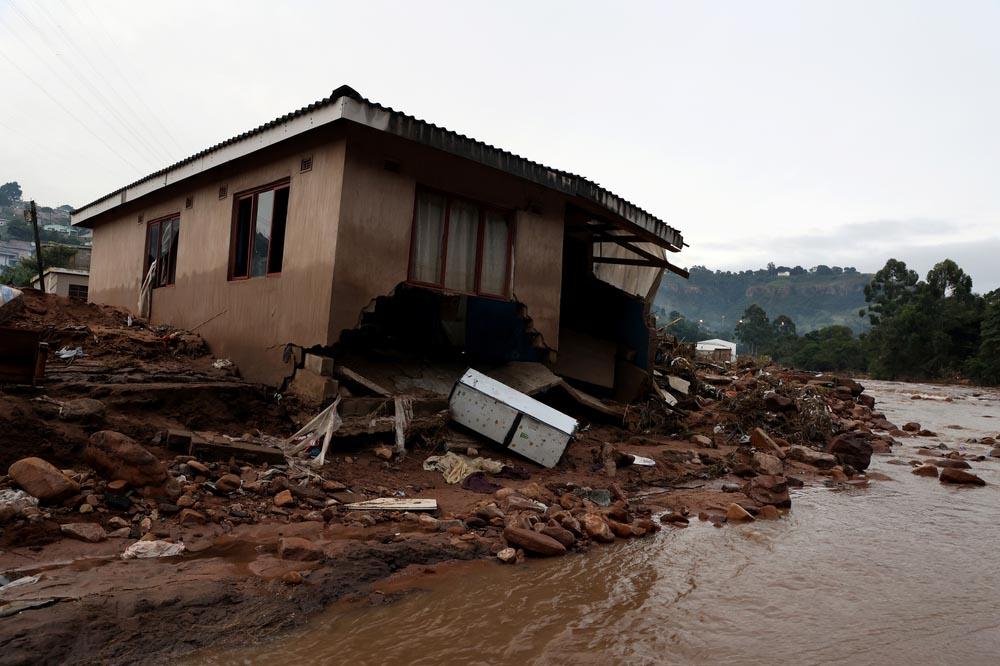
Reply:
x=346, y=104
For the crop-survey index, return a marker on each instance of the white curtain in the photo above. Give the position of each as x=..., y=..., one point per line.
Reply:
x=463, y=238
x=496, y=235
x=426, y=260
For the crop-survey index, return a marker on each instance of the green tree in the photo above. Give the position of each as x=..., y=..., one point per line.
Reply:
x=10, y=193
x=23, y=272
x=986, y=364
x=754, y=330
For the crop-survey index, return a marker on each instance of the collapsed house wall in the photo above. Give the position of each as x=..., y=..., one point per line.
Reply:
x=246, y=320
x=381, y=177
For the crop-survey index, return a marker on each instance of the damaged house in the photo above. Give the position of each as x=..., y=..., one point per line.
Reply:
x=347, y=216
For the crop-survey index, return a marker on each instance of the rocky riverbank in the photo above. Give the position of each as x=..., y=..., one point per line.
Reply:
x=153, y=503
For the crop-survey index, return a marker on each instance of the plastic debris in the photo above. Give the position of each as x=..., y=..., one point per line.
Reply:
x=146, y=549
x=68, y=354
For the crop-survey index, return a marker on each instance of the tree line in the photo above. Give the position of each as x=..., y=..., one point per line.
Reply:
x=931, y=329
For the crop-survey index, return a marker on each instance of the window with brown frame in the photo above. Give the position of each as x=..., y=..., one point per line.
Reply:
x=78, y=292
x=161, y=246
x=460, y=245
x=258, y=237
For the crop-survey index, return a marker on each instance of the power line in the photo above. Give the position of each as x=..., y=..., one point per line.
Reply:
x=68, y=112
x=146, y=146
x=138, y=117
x=110, y=58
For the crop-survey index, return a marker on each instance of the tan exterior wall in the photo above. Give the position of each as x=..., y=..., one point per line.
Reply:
x=377, y=219
x=253, y=318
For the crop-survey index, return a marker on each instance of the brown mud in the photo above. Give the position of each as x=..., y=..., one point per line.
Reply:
x=267, y=548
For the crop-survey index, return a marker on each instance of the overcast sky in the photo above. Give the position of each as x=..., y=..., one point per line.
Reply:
x=796, y=132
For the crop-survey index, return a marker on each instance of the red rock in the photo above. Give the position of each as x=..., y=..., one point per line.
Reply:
x=765, y=463
x=761, y=441
x=117, y=485
x=533, y=542
x=117, y=456
x=597, y=529
x=192, y=516
x=91, y=532
x=954, y=464
x=737, y=514
x=951, y=475
x=852, y=448
x=560, y=534
x=299, y=549
x=912, y=426
x=767, y=489
x=768, y=512
x=41, y=479
x=808, y=456
x=620, y=530
x=284, y=498
x=228, y=483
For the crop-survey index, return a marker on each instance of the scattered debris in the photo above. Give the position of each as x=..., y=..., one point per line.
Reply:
x=393, y=504
x=148, y=549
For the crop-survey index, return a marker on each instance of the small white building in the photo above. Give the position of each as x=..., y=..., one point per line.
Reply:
x=716, y=349
x=67, y=282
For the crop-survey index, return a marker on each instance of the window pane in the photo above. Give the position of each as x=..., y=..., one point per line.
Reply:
x=175, y=228
x=495, y=248
x=242, y=240
x=262, y=233
x=163, y=262
x=278, y=230
x=463, y=237
x=425, y=264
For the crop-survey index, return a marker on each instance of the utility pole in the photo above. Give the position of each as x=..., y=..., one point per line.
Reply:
x=33, y=215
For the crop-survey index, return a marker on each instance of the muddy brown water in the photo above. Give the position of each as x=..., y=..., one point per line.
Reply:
x=907, y=571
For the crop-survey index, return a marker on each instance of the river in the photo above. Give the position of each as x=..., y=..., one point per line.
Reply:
x=904, y=572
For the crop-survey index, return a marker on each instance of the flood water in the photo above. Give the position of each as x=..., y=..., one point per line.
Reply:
x=907, y=571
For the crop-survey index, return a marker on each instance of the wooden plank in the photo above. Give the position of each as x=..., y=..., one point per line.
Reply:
x=394, y=504
x=345, y=373
x=251, y=453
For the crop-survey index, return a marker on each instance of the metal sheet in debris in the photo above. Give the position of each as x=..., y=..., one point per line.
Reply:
x=510, y=418
x=538, y=441
x=519, y=401
x=484, y=414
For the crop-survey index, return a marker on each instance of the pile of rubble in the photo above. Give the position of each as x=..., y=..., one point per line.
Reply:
x=125, y=448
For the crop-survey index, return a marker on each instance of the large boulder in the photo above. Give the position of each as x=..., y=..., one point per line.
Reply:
x=118, y=456
x=951, y=475
x=852, y=448
x=765, y=463
x=41, y=479
x=768, y=489
x=533, y=542
x=809, y=456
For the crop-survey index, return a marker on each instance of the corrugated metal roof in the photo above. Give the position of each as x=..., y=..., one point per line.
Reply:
x=350, y=105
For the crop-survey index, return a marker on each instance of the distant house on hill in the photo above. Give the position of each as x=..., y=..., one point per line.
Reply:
x=717, y=350
x=66, y=282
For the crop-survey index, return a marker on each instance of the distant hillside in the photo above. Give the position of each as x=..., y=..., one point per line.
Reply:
x=813, y=298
